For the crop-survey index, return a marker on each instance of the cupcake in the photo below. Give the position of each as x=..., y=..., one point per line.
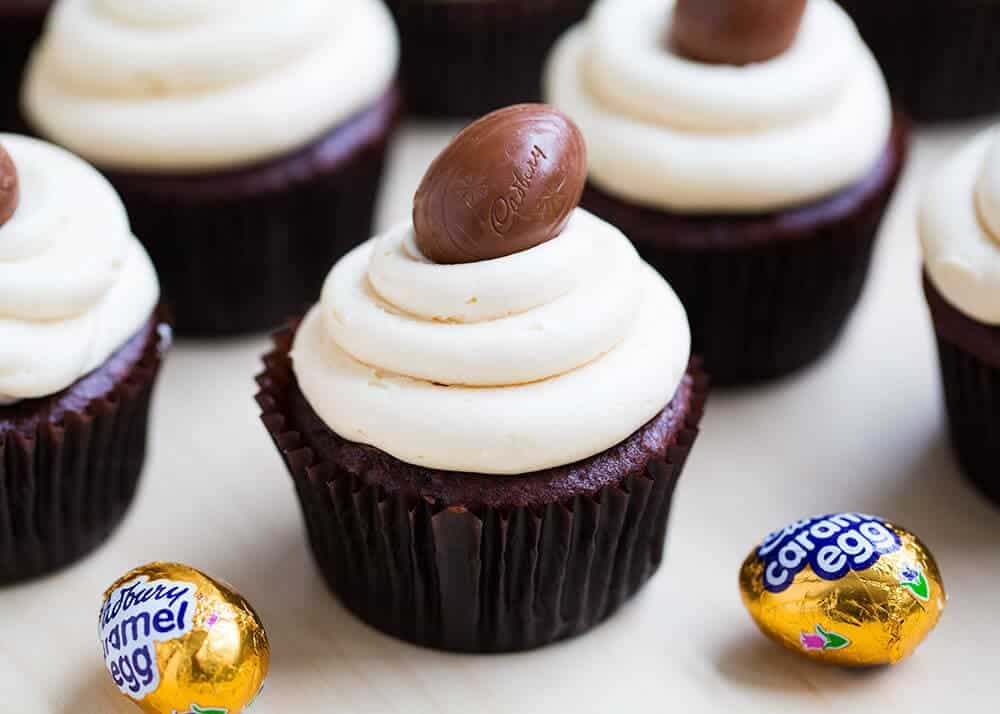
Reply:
x=941, y=58
x=20, y=25
x=247, y=142
x=487, y=411
x=749, y=150
x=81, y=340
x=469, y=57
x=960, y=233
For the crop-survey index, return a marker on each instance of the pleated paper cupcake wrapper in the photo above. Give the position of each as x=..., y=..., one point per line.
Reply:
x=19, y=31
x=243, y=254
x=467, y=59
x=765, y=296
x=940, y=57
x=493, y=580
x=65, y=486
x=972, y=398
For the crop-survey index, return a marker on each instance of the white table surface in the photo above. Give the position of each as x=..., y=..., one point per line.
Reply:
x=864, y=429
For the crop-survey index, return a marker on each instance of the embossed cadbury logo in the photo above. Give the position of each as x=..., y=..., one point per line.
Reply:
x=831, y=545
x=505, y=208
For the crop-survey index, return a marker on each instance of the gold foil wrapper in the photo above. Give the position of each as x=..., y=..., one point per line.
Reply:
x=175, y=641
x=870, y=616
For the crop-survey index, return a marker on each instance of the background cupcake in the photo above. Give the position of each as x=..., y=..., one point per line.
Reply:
x=469, y=57
x=749, y=158
x=960, y=232
x=246, y=141
x=941, y=58
x=20, y=25
x=522, y=405
x=81, y=339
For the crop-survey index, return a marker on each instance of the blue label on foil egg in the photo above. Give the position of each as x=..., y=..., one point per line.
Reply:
x=832, y=545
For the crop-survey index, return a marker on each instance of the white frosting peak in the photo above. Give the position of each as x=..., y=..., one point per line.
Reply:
x=191, y=85
x=75, y=284
x=679, y=135
x=507, y=366
x=960, y=229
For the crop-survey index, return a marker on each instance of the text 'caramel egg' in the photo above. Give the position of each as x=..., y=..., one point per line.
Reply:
x=734, y=32
x=9, y=187
x=508, y=182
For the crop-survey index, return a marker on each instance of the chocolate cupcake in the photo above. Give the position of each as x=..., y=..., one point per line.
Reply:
x=81, y=340
x=960, y=233
x=21, y=24
x=469, y=57
x=486, y=413
x=941, y=58
x=246, y=143
x=748, y=155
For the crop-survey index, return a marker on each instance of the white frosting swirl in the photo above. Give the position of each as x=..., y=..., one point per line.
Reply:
x=674, y=134
x=191, y=85
x=506, y=366
x=75, y=284
x=960, y=229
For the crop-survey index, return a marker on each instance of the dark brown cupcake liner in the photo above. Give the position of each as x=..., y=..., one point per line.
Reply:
x=21, y=25
x=475, y=579
x=765, y=294
x=70, y=464
x=940, y=57
x=969, y=354
x=469, y=58
x=242, y=251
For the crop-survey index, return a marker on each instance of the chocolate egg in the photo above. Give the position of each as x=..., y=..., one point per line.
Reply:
x=9, y=186
x=734, y=32
x=505, y=184
x=844, y=588
x=176, y=641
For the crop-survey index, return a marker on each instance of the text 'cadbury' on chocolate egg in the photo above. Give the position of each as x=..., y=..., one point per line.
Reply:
x=506, y=183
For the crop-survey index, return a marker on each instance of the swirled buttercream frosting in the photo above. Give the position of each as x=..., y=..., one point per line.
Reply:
x=200, y=85
x=960, y=229
x=675, y=134
x=75, y=284
x=503, y=366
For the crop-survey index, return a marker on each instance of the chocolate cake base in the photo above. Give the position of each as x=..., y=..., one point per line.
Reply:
x=468, y=58
x=21, y=23
x=70, y=462
x=770, y=293
x=940, y=57
x=970, y=372
x=244, y=250
x=474, y=562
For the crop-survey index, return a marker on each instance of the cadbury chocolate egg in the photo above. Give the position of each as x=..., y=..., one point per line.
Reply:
x=175, y=641
x=844, y=588
x=508, y=182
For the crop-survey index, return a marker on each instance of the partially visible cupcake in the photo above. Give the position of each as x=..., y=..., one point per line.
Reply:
x=487, y=412
x=941, y=57
x=81, y=340
x=468, y=57
x=246, y=138
x=960, y=233
x=749, y=150
x=20, y=26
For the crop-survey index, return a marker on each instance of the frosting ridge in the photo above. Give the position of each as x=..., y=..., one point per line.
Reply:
x=960, y=229
x=680, y=135
x=204, y=84
x=529, y=377
x=75, y=284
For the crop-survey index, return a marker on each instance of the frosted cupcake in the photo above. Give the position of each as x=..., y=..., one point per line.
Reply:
x=246, y=138
x=960, y=232
x=81, y=340
x=749, y=150
x=487, y=411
